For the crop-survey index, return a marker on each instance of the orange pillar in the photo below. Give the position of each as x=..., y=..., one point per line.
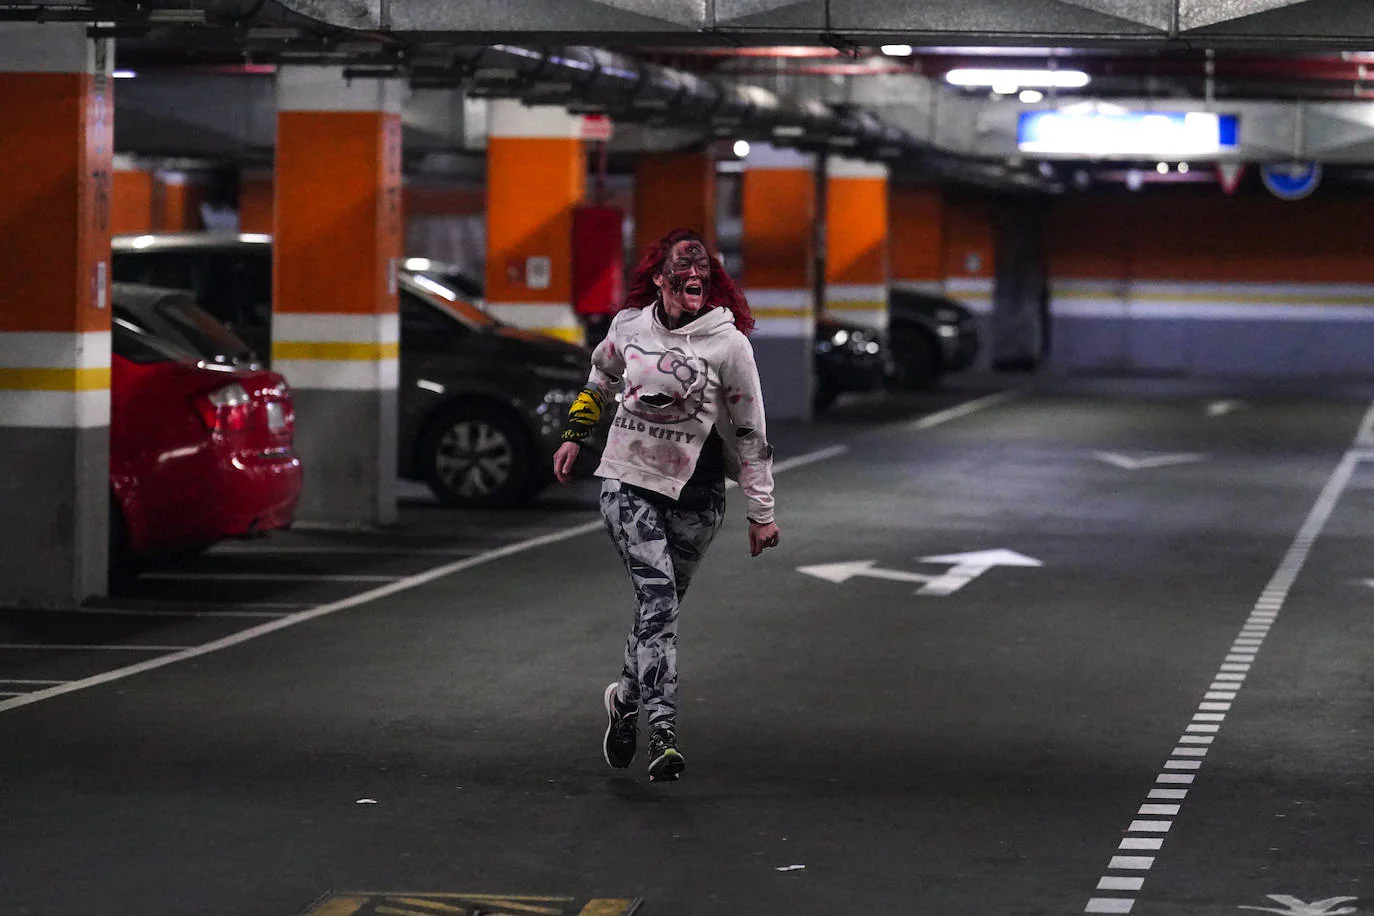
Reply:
x=674, y=190
x=856, y=233
x=778, y=216
x=536, y=175
x=336, y=250
x=57, y=150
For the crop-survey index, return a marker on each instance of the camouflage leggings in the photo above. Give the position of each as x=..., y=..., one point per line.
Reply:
x=661, y=543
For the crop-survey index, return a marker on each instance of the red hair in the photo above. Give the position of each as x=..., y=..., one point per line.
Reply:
x=640, y=291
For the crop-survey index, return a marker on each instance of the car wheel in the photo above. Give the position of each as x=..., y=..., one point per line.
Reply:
x=478, y=456
x=917, y=361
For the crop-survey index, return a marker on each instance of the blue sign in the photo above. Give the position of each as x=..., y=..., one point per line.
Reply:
x=1291, y=180
x=1104, y=134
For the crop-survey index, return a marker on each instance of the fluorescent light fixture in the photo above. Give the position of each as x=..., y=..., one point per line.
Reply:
x=1031, y=96
x=1022, y=79
x=143, y=241
x=418, y=264
x=429, y=386
x=789, y=130
x=123, y=74
x=897, y=50
x=255, y=238
x=1161, y=135
x=741, y=148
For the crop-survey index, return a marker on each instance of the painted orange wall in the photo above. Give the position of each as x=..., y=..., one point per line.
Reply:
x=131, y=202
x=968, y=236
x=672, y=191
x=1199, y=235
x=916, y=221
x=255, y=203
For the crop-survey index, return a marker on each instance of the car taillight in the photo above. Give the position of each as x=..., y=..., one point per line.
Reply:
x=224, y=409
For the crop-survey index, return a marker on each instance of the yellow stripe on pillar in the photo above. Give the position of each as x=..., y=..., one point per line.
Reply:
x=856, y=261
x=536, y=176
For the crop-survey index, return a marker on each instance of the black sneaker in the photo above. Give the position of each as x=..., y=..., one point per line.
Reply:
x=622, y=730
x=665, y=762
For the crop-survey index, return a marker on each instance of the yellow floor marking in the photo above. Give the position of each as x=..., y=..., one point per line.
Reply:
x=339, y=906
x=428, y=904
x=607, y=907
x=509, y=904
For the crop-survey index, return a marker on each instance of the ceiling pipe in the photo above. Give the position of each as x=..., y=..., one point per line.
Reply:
x=595, y=79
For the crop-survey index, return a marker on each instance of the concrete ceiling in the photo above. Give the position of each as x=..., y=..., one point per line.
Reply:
x=1271, y=23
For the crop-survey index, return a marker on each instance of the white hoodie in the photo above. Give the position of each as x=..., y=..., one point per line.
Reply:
x=675, y=385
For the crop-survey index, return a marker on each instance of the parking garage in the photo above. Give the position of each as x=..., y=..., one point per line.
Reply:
x=1062, y=317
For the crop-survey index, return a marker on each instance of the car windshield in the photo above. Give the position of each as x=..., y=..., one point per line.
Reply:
x=211, y=339
x=136, y=344
x=452, y=301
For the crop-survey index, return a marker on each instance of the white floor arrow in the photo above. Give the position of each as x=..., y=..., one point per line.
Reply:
x=843, y=572
x=1126, y=462
x=969, y=566
x=966, y=567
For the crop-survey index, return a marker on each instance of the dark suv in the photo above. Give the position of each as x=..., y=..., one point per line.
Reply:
x=481, y=404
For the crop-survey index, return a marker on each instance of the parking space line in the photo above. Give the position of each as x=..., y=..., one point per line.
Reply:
x=264, y=577
x=1184, y=763
x=294, y=549
x=84, y=647
x=963, y=410
x=29, y=680
x=382, y=591
x=186, y=612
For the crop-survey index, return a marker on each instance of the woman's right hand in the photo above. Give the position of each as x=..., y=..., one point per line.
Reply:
x=563, y=461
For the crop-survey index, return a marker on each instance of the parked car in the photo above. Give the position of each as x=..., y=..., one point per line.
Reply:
x=848, y=357
x=201, y=435
x=930, y=336
x=481, y=404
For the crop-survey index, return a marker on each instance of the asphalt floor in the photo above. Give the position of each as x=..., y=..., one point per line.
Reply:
x=1028, y=646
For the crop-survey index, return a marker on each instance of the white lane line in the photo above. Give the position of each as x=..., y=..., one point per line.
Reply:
x=87, y=647
x=301, y=549
x=1365, y=437
x=164, y=612
x=1207, y=721
x=262, y=577
x=28, y=680
x=963, y=410
x=383, y=591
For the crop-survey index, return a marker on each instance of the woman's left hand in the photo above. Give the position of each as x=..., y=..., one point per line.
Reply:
x=762, y=537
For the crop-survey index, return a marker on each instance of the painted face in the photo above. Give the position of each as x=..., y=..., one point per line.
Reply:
x=685, y=277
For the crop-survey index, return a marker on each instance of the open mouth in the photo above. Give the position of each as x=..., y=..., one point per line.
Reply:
x=693, y=288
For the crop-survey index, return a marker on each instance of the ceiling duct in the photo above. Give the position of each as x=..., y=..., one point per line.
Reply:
x=593, y=79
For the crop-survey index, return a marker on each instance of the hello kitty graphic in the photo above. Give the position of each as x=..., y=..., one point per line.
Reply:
x=664, y=386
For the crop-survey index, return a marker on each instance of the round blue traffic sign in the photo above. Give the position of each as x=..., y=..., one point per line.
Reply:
x=1291, y=180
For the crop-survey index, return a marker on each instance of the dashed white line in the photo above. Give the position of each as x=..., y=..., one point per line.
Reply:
x=1179, y=769
x=963, y=410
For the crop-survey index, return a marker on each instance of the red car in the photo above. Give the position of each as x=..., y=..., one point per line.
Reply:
x=200, y=435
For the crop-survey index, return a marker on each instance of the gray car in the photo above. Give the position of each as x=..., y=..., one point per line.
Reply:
x=482, y=404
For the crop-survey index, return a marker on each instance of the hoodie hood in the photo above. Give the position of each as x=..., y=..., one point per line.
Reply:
x=710, y=322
